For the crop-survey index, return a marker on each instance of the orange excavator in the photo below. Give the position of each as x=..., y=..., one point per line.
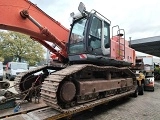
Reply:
x=90, y=67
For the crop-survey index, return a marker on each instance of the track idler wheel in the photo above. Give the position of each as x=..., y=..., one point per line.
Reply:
x=67, y=91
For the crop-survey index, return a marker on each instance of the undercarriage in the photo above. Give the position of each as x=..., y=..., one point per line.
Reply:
x=77, y=85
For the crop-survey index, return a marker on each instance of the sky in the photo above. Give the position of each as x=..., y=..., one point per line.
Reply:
x=139, y=18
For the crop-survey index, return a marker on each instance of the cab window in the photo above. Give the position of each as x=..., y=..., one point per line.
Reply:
x=95, y=33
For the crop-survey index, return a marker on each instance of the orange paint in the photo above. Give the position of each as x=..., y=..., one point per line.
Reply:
x=129, y=54
x=11, y=20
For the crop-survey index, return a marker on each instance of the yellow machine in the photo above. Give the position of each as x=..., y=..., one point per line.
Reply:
x=140, y=77
x=138, y=69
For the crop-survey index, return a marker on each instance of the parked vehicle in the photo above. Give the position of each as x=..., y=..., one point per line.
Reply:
x=1, y=71
x=149, y=82
x=149, y=73
x=14, y=68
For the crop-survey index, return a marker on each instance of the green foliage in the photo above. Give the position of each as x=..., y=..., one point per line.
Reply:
x=20, y=46
x=1, y=57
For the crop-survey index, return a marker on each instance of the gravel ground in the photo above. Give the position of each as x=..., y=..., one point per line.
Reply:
x=146, y=107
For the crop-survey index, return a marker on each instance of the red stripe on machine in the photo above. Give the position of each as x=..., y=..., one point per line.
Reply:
x=83, y=56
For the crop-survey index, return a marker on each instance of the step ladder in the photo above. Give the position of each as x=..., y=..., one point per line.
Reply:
x=121, y=41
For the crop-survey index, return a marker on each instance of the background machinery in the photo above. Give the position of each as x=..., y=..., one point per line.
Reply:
x=90, y=68
x=138, y=69
x=148, y=71
x=144, y=70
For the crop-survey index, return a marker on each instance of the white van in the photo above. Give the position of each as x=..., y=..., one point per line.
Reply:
x=14, y=68
x=1, y=71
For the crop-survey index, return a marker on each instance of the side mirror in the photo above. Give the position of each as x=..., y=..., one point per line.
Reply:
x=81, y=8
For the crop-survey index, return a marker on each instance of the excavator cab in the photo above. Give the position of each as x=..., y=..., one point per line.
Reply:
x=89, y=39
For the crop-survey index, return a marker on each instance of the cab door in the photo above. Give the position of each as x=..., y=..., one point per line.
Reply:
x=95, y=36
x=99, y=37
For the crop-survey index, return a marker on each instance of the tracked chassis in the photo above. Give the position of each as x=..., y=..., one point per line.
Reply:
x=24, y=80
x=74, y=87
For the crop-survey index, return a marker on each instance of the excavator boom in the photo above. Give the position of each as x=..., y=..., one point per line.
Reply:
x=51, y=30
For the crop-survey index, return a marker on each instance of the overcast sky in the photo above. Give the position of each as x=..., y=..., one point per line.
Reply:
x=139, y=18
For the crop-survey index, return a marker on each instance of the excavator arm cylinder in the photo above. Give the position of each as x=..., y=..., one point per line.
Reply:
x=45, y=31
x=24, y=14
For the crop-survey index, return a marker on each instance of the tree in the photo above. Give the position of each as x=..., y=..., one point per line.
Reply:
x=1, y=58
x=20, y=47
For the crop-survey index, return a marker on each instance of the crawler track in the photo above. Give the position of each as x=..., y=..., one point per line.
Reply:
x=52, y=86
x=24, y=80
